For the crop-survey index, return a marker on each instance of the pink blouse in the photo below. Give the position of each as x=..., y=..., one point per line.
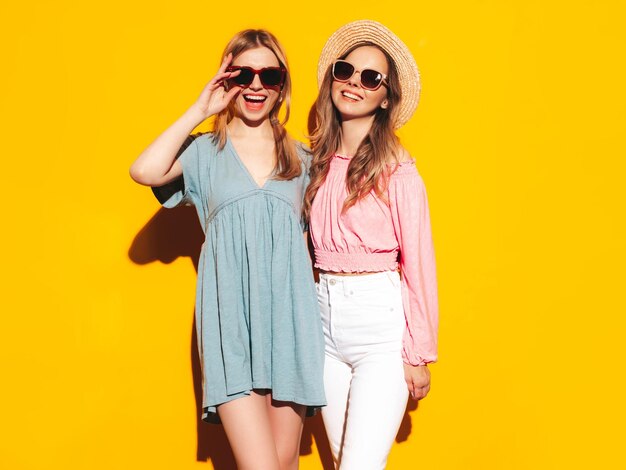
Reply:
x=377, y=236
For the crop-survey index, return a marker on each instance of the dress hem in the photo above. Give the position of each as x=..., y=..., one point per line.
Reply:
x=210, y=415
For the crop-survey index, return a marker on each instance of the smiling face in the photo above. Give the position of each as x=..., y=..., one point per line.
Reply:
x=350, y=98
x=254, y=103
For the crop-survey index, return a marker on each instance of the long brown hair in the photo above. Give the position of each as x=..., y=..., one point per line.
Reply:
x=368, y=169
x=288, y=164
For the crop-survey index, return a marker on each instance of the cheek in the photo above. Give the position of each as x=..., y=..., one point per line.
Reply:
x=273, y=98
x=378, y=96
x=334, y=92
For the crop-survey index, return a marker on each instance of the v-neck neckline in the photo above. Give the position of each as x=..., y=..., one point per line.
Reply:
x=245, y=168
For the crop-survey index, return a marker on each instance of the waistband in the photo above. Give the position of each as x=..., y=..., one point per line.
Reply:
x=369, y=279
x=356, y=262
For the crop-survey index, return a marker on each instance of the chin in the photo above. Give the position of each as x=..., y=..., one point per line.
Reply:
x=355, y=110
x=349, y=114
x=254, y=116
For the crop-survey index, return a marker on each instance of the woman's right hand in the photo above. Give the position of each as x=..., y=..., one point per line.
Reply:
x=157, y=164
x=214, y=98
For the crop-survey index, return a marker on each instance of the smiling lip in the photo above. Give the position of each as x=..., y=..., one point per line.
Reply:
x=351, y=96
x=254, y=102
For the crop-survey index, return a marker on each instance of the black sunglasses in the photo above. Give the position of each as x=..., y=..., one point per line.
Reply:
x=370, y=79
x=271, y=77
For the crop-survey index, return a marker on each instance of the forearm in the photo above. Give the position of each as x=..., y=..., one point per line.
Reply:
x=419, y=345
x=420, y=299
x=155, y=166
x=417, y=263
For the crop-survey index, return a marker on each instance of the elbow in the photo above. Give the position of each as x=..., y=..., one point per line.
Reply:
x=135, y=173
x=138, y=174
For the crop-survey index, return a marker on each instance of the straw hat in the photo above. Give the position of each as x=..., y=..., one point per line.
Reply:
x=371, y=31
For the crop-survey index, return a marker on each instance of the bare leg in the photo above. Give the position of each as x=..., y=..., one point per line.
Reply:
x=247, y=424
x=286, y=421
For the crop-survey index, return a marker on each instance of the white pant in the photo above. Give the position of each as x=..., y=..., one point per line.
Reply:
x=363, y=323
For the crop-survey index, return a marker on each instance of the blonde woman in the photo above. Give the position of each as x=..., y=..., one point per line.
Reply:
x=370, y=229
x=259, y=334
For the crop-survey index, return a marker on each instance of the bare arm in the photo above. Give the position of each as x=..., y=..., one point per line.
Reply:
x=157, y=164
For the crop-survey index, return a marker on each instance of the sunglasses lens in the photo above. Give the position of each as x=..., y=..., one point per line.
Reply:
x=371, y=79
x=271, y=77
x=244, y=78
x=342, y=71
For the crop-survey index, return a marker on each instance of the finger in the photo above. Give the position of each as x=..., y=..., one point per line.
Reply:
x=223, y=75
x=216, y=83
x=422, y=380
x=209, y=88
x=422, y=392
x=225, y=63
x=422, y=383
x=219, y=78
x=231, y=94
x=411, y=387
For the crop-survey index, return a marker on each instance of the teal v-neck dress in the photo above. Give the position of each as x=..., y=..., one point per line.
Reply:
x=257, y=314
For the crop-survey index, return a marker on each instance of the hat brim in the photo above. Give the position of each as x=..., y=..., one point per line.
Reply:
x=358, y=32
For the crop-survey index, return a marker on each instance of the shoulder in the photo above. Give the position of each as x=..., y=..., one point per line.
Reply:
x=404, y=156
x=205, y=140
x=206, y=145
x=303, y=149
x=404, y=166
x=304, y=153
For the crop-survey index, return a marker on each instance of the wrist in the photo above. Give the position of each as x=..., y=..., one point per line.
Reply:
x=195, y=115
x=417, y=364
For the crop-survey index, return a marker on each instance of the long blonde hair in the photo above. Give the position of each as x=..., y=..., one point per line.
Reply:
x=369, y=168
x=288, y=164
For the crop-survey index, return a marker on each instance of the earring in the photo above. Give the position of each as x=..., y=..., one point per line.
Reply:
x=384, y=104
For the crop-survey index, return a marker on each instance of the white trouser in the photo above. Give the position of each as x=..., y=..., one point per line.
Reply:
x=363, y=323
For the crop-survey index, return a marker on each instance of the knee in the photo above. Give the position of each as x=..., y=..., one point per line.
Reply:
x=288, y=458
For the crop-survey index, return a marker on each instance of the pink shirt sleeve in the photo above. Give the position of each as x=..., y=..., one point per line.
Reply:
x=411, y=220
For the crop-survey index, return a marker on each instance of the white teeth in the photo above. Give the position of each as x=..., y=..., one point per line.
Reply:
x=352, y=96
x=255, y=98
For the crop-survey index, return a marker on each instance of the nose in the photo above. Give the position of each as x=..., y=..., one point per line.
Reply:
x=256, y=84
x=354, y=81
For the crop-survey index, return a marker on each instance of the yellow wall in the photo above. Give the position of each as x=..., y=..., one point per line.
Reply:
x=519, y=137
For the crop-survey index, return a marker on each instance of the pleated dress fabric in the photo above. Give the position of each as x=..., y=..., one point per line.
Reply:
x=257, y=316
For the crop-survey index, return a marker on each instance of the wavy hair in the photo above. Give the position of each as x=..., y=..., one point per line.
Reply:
x=369, y=168
x=288, y=164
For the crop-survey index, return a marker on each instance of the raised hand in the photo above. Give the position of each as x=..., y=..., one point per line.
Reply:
x=157, y=164
x=214, y=98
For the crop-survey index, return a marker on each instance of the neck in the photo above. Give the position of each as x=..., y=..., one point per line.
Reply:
x=239, y=127
x=353, y=131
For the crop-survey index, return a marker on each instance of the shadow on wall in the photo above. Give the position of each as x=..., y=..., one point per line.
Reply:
x=171, y=234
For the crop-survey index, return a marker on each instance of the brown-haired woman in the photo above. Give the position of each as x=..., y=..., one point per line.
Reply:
x=259, y=334
x=368, y=219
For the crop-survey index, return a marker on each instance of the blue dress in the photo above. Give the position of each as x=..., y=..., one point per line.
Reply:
x=257, y=316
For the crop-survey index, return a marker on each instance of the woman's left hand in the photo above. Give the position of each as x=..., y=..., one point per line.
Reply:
x=418, y=380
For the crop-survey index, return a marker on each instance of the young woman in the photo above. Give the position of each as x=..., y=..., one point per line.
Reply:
x=259, y=334
x=368, y=218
